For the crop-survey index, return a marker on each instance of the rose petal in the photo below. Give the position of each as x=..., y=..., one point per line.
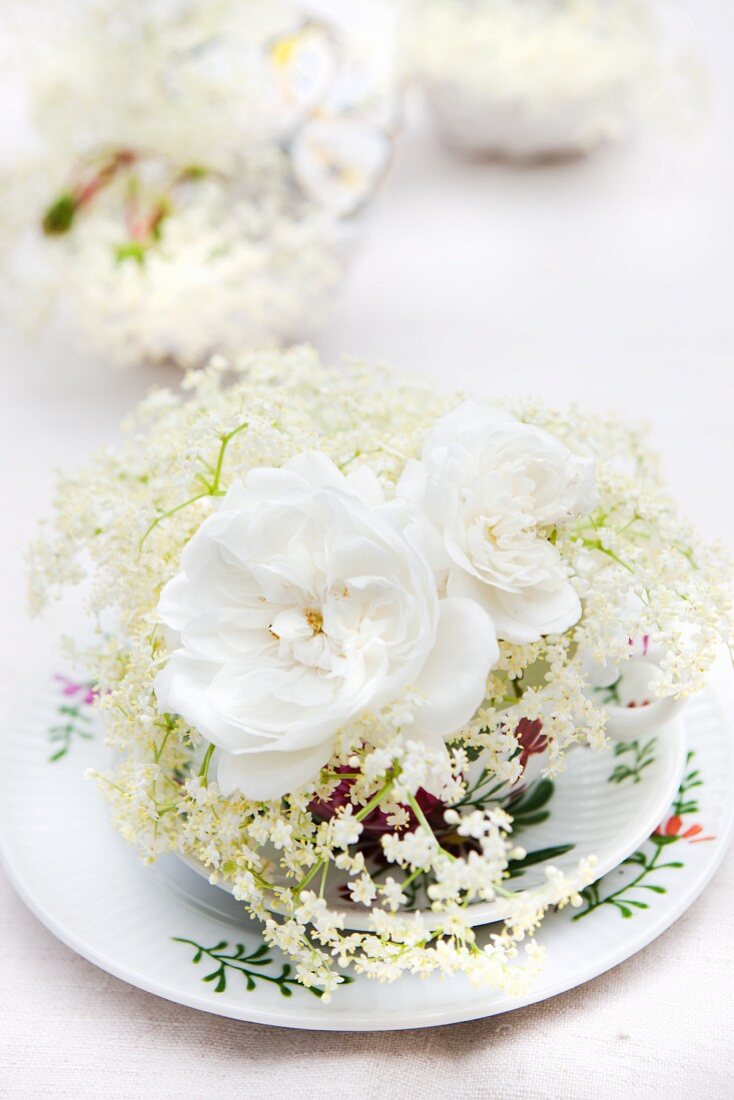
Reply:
x=182, y=688
x=454, y=678
x=521, y=617
x=263, y=776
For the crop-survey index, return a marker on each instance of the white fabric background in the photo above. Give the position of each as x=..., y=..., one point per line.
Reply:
x=607, y=282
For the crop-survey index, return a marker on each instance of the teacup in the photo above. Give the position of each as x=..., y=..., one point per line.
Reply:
x=587, y=815
x=627, y=695
x=481, y=127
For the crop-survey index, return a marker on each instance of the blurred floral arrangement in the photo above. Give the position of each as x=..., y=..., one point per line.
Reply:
x=331, y=606
x=529, y=79
x=201, y=169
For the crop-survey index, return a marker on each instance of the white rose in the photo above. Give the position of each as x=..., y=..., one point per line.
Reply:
x=492, y=488
x=339, y=161
x=303, y=602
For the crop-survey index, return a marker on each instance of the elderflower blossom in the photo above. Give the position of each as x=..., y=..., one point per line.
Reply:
x=200, y=171
x=539, y=77
x=383, y=823
x=344, y=829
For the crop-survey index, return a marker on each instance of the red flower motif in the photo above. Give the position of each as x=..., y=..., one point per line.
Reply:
x=532, y=740
x=673, y=826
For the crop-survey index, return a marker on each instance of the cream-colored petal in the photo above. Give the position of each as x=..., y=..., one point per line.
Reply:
x=453, y=680
x=525, y=616
x=263, y=776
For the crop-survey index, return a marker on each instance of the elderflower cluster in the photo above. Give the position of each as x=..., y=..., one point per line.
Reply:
x=200, y=172
x=372, y=855
x=539, y=76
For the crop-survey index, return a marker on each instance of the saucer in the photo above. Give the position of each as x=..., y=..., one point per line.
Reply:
x=166, y=930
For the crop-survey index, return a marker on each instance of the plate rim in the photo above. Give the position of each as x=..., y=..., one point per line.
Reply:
x=431, y=1015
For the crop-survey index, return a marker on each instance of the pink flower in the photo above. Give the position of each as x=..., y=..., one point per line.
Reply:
x=85, y=694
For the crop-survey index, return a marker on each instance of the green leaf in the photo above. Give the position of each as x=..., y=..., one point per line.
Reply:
x=195, y=172
x=536, y=796
x=59, y=217
x=131, y=250
x=517, y=866
x=520, y=821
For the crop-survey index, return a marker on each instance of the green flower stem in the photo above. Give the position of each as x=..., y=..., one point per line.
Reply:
x=322, y=864
x=423, y=821
x=412, y=877
x=318, y=866
x=109, y=782
x=226, y=440
x=159, y=748
x=596, y=544
x=204, y=769
x=167, y=515
x=171, y=807
x=211, y=489
x=630, y=523
x=504, y=892
x=375, y=801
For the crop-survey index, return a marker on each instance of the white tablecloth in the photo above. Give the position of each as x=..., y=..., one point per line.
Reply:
x=608, y=282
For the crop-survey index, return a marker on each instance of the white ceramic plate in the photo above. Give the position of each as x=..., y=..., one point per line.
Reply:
x=165, y=930
x=603, y=803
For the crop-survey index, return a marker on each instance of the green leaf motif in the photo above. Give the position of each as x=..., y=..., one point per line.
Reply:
x=642, y=757
x=648, y=860
x=228, y=961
